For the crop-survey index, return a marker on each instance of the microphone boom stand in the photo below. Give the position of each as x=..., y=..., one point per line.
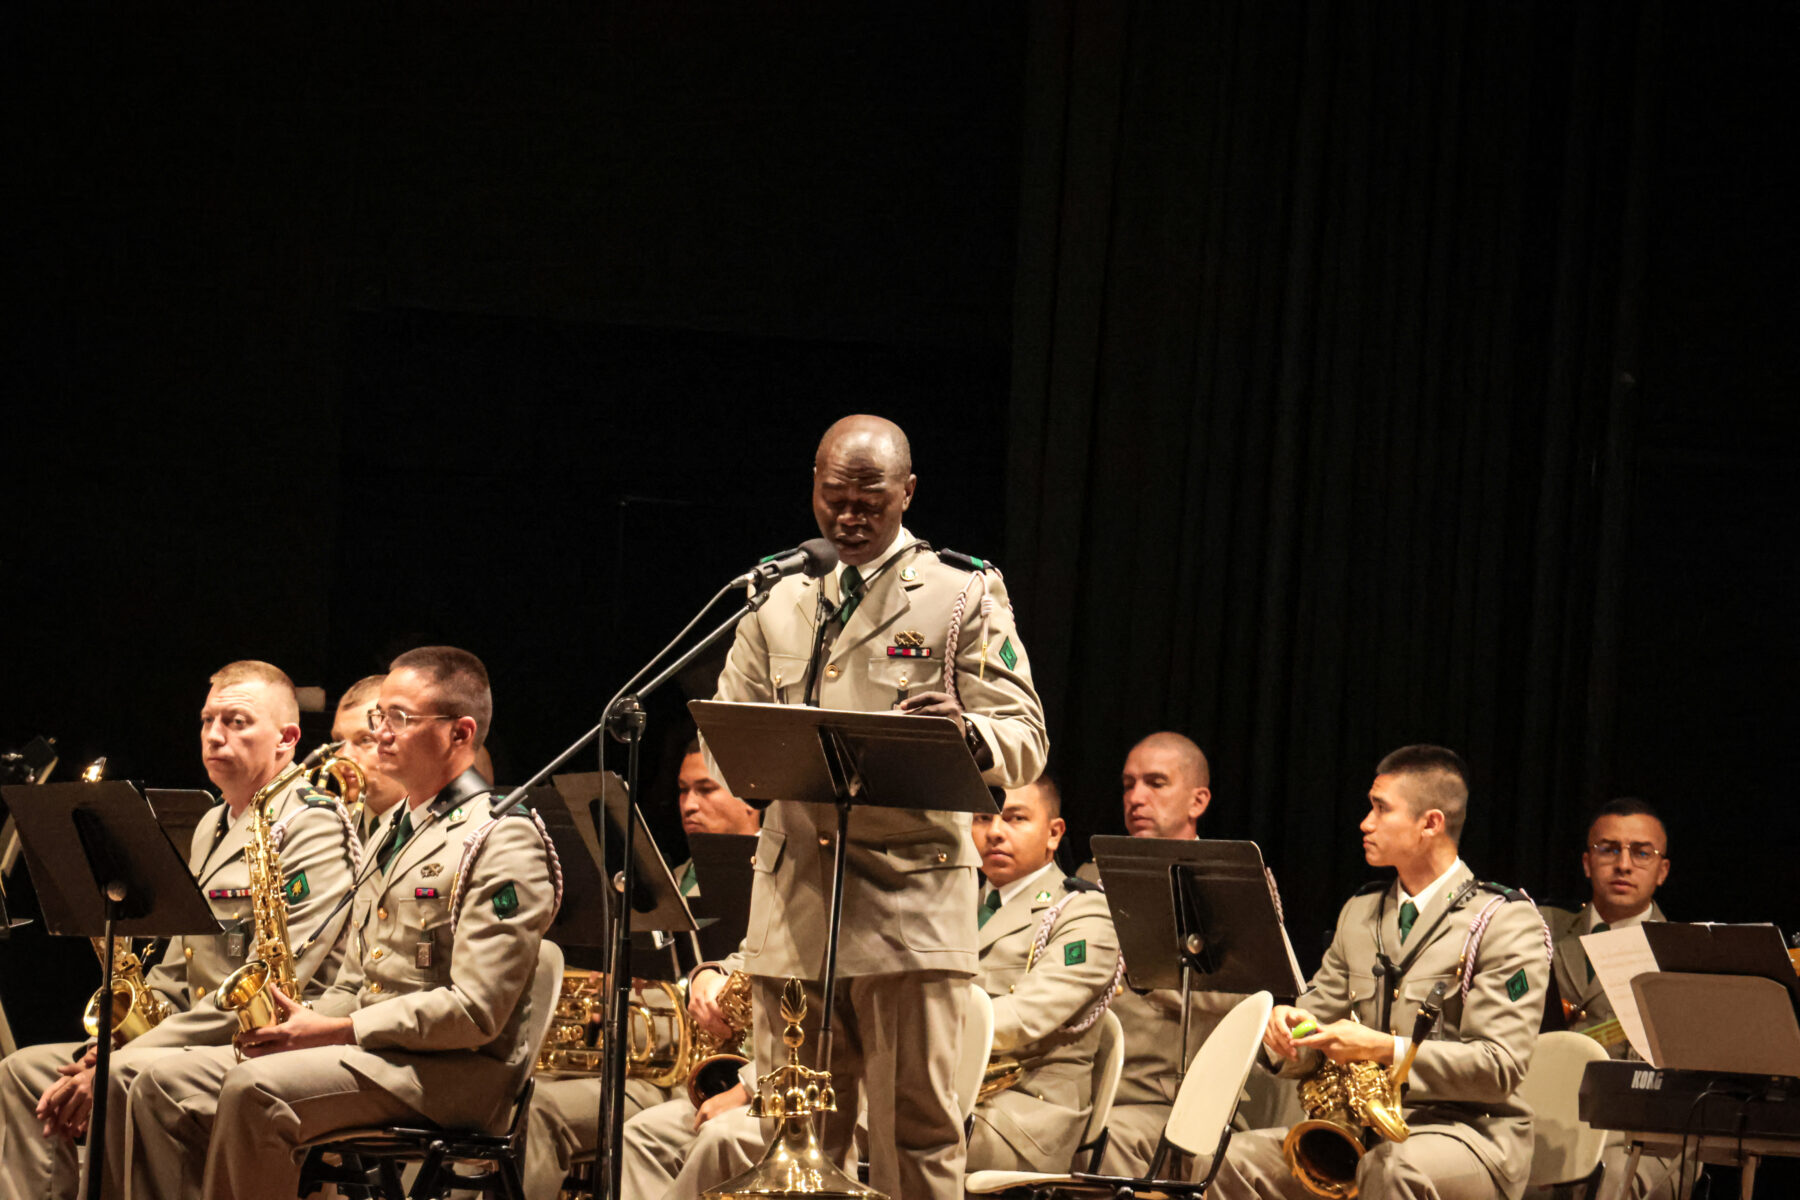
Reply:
x=625, y=720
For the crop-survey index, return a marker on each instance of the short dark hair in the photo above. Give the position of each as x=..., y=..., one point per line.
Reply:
x=1443, y=782
x=692, y=747
x=1629, y=806
x=461, y=682
x=1050, y=792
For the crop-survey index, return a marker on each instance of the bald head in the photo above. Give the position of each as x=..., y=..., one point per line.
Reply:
x=862, y=486
x=1167, y=785
x=870, y=438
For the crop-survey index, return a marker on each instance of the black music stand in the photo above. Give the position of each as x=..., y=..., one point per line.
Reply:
x=844, y=759
x=179, y=812
x=115, y=872
x=1187, y=909
x=722, y=905
x=657, y=909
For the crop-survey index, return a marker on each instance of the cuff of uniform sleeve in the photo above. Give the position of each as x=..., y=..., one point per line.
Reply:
x=1400, y=1045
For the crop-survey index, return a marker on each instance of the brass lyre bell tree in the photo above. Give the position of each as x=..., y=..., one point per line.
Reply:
x=795, y=1164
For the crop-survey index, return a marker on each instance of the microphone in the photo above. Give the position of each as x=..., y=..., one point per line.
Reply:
x=810, y=558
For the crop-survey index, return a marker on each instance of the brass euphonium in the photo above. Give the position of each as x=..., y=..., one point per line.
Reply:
x=246, y=991
x=136, y=1008
x=664, y=1045
x=340, y=775
x=1347, y=1106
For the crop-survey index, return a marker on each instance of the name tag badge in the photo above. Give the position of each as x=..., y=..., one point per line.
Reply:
x=422, y=955
x=237, y=943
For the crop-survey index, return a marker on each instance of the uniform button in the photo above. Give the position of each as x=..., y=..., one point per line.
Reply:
x=824, y=839
x=942, y=857
x=831, y=672
x=381, y=914
x=188, y=950
x=374, y=987
x=753, y=860
x=378, y=952
x=199, y=995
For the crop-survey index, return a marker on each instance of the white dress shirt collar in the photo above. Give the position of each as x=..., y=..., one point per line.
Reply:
x=1023, y=882
x=1433, y=890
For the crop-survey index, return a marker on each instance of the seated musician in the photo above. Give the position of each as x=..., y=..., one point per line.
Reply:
x=1166, y=787
x=1471, y=1134
x=351, y=727
x=565, y=1112
x=427, y=1020
x=1625, y=859
x=1048, y=1004
x=249, y=727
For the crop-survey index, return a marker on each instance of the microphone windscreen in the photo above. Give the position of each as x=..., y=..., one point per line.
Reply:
x=821, y=557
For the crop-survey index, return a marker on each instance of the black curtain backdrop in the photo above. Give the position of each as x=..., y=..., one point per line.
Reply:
x=1322, y=394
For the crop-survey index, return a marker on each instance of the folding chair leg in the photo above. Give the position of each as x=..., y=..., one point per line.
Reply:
x=512, y=1185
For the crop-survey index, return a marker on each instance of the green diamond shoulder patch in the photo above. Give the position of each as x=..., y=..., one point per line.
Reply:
x=1517, y=985
x=506, y=902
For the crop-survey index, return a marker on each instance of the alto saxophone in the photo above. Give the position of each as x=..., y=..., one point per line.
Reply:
x=246, y=991
x=136, y=1008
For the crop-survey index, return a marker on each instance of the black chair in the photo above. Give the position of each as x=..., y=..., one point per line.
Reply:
x=366, y=1164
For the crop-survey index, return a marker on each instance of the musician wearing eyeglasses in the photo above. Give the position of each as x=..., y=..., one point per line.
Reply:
x=428, y=1018
x=249, y=728
x=1625, y=859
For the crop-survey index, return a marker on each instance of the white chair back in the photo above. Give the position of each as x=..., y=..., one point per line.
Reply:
x=1209, y=1091
x=1564, y=1148
x=546, y=988
x=1109, y=1064
x=978, y=1042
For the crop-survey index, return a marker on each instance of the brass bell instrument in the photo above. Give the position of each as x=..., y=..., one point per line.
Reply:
x=664, y=1047
x=136, y=1007
x=1003, y=1071
x=340, y=775
x=246, y=991
x=795, y=1164
x=1348, y=1105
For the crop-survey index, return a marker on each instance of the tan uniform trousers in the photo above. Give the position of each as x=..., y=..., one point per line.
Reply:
x=565, y=1125
x=899, y=1037
x=728, y=1145
x=659, y=1140
x=1426, y=1166
x=255, y=1114
x=37, y=1167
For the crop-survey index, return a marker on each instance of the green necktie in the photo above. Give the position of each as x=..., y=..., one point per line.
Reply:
x=402, y=831
x=989, y=907
x=1600, y=927
x=1409, y=912
x=847, y=588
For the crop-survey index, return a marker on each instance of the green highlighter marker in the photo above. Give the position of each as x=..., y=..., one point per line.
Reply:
x=1305, y=1028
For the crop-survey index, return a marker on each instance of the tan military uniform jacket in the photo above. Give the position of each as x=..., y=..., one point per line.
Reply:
x=1571, y=965
x=1466, y=1077
x=1042, y=1116
x=316, y=864
x=447, y=1013
x=909, y=895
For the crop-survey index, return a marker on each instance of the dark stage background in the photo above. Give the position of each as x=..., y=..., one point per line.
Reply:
x=1325, y=377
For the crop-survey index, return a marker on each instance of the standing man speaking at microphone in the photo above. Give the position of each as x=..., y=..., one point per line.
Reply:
x=896, y=626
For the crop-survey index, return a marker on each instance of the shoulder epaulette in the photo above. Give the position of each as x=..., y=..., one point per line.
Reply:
x=967, y=562
x=500, y=805
x=1073, y=884
x=1501, y=889
x=314, y=797
x=1373, y=886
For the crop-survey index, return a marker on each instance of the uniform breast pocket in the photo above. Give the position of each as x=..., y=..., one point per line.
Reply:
x=770, y=845
x=787, y=678
x=1363, y=1001
x=425, y=939
x=1414, y=993
x=900, y=677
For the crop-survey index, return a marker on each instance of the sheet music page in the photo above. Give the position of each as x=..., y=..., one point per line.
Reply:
x=1619, y=956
